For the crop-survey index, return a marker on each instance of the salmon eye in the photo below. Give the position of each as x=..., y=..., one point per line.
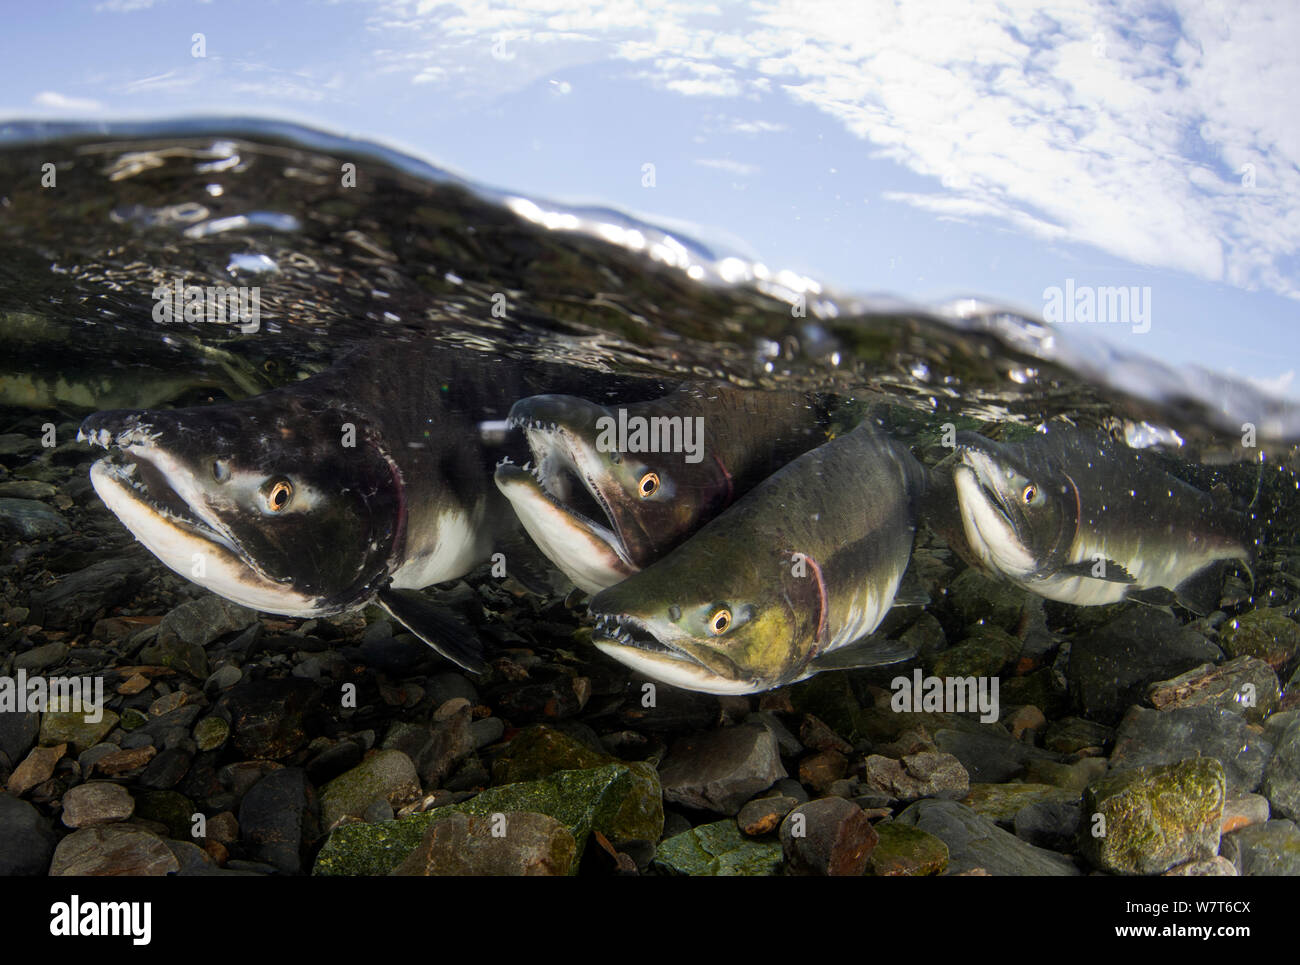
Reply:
x=720, y=622
x=1030, y=493
x=649, y=485
x=278, y=495
x=220, y=471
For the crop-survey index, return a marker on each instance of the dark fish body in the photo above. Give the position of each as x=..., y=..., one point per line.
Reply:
x=369, y=478
x=616, y=487
x=1074, y=516
x=781, y=584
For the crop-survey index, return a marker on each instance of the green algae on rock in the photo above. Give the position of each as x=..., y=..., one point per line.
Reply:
x=906, y=851
x=71, y=727
x=982, y=654
x=717, y=850
x=539, y=751
x=621, y=801
x=1149, y=819
x=1267, y=633
x=517, y=843
x=1002, y=802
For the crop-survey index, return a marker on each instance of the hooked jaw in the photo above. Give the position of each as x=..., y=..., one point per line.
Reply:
x=589, y=554
x=159, y=500
x=557, y=500
x=988, y=525
x=636, y=644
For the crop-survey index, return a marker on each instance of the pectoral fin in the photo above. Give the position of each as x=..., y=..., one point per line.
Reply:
x=436, y=627
x=910, y=591
x=870, y=651
x=1107, y=570
x=1200, y=592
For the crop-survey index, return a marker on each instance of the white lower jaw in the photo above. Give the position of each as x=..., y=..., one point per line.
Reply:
x=675, y=671
x=585, y=553
x=199, y=560
x=990, y=535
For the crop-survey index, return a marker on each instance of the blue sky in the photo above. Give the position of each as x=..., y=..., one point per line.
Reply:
x=926, y=151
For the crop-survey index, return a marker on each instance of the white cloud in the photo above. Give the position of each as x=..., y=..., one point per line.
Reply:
x=1282, y=386
x=737, y=168
x=52, y=100
x=125, y=6
x=1129, y=127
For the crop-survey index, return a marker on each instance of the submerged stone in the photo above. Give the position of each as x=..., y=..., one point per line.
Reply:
x=720, y=770
x=1267, y=633
x=1147, y=737
x=717, y=850
x=1153, y=818
x=539, y=751
x=975, y=842
x=515, y=843
x=906, y=851
x=621, y=801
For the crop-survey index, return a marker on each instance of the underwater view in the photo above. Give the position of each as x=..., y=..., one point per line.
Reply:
x=360, y=519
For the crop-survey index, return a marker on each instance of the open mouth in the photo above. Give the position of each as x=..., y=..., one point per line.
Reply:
x=991, y=528
x=626, y=631
x=590, y=554
x=143, y=481
x=630, y=641
x=983, y=469
x=558, y=472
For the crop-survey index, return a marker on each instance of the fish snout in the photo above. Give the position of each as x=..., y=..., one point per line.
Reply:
x=121, y=428
x=549, y=412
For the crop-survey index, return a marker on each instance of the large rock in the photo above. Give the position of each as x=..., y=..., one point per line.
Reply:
x=990, y=756
x=271, y=818
x=983, y=654
x=1147, y=737
x=717, y=850
x=78, y=597
x=24, y=519
x=621, y=801
x=201, y=621
x=515, y=843
x=1281, y=783
x=26, y=839
x=926, y=774
x=829, y=836
x=1272, y=848
x=1002, y=802
x=113, y=849
x=267, y=716
x=539, y=750
x=720, y=770
x=1268, y=634
x=1147, y=820
x=97, y=802
x=72, y=728
x=383, y=776
x=35, y=768
x=976, y=842
x=1244, y=685
x=906, y=851
x=1111, y=667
